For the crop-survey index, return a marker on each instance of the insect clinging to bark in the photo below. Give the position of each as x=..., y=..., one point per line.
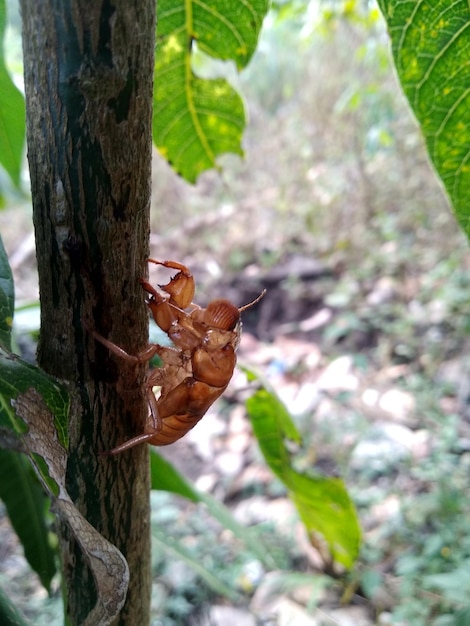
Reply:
x=199, y=366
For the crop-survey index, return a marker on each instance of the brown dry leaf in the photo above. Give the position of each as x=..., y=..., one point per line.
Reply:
x=108, y=565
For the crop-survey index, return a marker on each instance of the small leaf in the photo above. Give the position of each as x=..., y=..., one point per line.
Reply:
x=7, y=299
x=325, y=507
x=25, y=502
x=322, y=503
x=272, y=425
x=197, y=120
x=12, y=115
x=274, y=414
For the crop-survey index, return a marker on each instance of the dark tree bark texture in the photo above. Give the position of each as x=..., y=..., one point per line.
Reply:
x=88, y=80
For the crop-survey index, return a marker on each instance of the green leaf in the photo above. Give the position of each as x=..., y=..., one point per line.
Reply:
x=272, y=425
x=12, y=115
x=7, y=299
x=25, y=502
x=16, y=377
x=323, y=503
x=9, y=615
x=325, y=507
x=431, y=49
x=269, y=404
x=197, y=120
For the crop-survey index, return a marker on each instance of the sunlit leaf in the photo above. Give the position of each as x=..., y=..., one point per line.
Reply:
x=275, y=418
x=323, y=503
x=197, y=120
x=431, y=49
x=325, y=507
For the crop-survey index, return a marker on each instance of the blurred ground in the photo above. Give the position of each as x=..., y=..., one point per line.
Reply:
x=363, y=334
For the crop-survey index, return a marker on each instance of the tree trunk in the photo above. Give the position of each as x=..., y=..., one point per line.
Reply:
x=88, y=78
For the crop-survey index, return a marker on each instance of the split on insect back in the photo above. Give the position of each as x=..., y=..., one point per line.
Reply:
x=199, y=366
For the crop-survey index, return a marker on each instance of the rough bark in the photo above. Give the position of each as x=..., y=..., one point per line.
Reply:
x=88, y=81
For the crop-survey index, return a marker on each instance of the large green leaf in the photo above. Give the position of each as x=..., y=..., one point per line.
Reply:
x=323, y=503
x=12, y=115
x=25, y=502
x=7, y=299
x=197, y=120
x=431, y=49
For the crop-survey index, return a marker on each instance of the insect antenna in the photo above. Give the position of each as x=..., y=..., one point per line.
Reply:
x=255, y=301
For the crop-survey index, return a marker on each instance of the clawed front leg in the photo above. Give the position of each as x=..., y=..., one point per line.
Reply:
x=181, y=287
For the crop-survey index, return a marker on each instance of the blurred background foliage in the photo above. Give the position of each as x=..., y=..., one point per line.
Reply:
x=334, y=162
